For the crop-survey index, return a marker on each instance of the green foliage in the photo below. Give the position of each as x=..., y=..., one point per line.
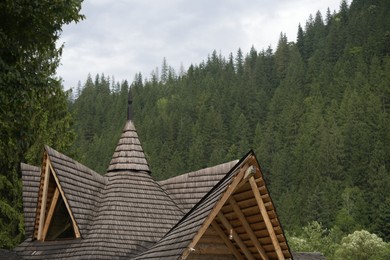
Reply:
x=33, y=106
x=334, y=245
x=362, y=245
x=315, y=238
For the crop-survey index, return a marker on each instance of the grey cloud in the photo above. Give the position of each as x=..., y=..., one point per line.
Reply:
x=122, y=38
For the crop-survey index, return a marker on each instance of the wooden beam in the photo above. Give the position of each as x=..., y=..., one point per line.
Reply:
x=247, y=228
x=214, y=212
x=266, y=218
x=226, y=240
x=44, y=200
x=236, y=237
x=247, y=174
x=75, y=227
x=50, y=213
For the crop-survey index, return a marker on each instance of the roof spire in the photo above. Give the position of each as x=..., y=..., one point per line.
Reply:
x=129, y=155
x=129, y=106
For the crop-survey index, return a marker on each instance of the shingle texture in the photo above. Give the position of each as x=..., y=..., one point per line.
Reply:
x=122, y=214
x=129, y=155
x=187, y=189
x=30, y=179
x=81, y=186
x=172, y=245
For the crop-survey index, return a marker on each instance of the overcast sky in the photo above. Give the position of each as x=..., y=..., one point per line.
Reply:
x=123, y=37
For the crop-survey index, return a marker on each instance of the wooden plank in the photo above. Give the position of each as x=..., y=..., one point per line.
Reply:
x=247, y=228
x=75, y=227
x=266, y=218
x=44, y=199
x=236, y=237
x=214, y=212
x=207, y=239
x=264, y=240
x=226, y=240
x=244, y=181
x=41, y=184
x=252, y=219
x=211, y=249
x=50, y=213
x=249, y=194
x=250, y=211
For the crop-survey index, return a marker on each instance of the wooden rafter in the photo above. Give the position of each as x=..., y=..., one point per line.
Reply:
x=214, y=212
x=75, y=227
x=50, y=213
x=44, y=200
x=226, y=240
x=236, y=237
x=266, y=218
x=247, y=228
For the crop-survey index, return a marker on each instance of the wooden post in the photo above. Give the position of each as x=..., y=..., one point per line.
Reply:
x=50, y=213
x=266, y=218
x=236, y=238
x=247, y=228
x=44, y=200
x=226, y=240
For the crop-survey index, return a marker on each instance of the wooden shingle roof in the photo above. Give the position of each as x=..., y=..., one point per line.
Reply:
x=187, y=189
x=173, y=244
x=238, y=212
x=126, y=214
x=30, y=178
x=134, y=213
x=129, y=155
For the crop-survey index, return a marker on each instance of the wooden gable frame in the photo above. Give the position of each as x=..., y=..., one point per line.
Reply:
x=50, y=192
x=244, y=220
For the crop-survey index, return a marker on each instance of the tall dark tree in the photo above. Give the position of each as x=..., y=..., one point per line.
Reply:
x=33, y=106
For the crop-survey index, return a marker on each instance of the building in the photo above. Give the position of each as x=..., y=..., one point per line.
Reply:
x=221, y=212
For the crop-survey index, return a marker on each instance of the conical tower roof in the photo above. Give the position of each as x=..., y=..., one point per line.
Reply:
x=129, y=155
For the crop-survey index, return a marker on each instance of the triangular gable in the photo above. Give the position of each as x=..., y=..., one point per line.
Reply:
x=51, y=203
x=81, y=185
x=247, y=221
x=238, y=211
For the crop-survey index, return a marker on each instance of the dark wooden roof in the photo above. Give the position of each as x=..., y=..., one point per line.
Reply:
x=81, y=186
x=173, y=244
x=187, y=189
x=30, y=178
x=128, y=155
x=8, y=255
x=134, y=213
x=126, y=213
x=119, y=215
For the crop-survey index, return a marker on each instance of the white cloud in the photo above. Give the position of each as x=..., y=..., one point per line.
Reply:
x=121, y=38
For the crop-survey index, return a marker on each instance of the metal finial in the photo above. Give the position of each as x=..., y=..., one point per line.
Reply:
x=129, y=107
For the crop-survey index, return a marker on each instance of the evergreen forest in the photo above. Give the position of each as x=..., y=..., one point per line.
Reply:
x=315, y=110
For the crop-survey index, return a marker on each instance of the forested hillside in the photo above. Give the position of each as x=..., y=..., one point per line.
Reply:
x=315, y=110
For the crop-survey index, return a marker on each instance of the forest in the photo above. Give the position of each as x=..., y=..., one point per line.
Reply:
x=316, y=112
